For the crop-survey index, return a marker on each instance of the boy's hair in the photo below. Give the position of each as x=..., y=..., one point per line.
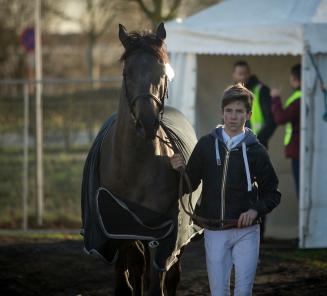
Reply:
x=237, y=92
x=241, y=63
x=296, y=71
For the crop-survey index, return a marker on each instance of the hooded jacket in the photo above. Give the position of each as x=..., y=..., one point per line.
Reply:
x=234, y=181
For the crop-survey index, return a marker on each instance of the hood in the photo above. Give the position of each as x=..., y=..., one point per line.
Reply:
x=249, y=139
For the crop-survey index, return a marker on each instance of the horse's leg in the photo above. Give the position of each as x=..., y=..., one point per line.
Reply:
x=147, y=256
x=136, y=266
x=122, y=285
x=157, y=283
x=173, y=276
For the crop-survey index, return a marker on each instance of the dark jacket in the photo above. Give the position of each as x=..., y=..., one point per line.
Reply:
x=225, y=200
x=290, y=114
x=269, y=124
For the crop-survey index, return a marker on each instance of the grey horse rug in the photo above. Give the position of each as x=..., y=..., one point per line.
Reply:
x=108, y=219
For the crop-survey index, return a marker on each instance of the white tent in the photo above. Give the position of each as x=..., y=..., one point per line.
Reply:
x=256, y=28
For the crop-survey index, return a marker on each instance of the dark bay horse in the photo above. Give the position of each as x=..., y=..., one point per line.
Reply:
x=130, y=205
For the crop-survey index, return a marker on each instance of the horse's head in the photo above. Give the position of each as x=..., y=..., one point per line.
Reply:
x=145, y=77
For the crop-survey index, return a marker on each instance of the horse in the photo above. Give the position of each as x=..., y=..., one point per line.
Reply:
x=131, y=211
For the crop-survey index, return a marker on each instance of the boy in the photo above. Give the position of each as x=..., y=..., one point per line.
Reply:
x=230, y=161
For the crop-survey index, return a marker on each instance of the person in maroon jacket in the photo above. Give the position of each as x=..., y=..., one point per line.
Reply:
x=288, y=114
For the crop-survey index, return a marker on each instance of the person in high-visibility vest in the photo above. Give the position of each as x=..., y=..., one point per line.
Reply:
x=261, y=122
x=288, y=114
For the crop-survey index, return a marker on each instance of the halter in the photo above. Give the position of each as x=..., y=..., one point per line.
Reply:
x=159, y=101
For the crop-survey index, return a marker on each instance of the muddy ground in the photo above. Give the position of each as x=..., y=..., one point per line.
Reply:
x=56, y=265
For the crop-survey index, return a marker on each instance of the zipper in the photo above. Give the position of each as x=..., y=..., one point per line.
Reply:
x=223, y=185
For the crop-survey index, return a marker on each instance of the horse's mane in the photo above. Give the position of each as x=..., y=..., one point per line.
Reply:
x=146, y=42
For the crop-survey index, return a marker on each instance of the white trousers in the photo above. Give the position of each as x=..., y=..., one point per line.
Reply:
x=225, y=248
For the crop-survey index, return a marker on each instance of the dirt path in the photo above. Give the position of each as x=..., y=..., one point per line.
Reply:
x=59, y=267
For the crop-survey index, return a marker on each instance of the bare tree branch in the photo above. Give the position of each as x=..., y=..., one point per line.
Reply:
x=173, y=11
x=148, y=12
x=157, y=14
x=59, y=13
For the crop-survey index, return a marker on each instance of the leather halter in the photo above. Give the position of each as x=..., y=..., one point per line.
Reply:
x=159, y=101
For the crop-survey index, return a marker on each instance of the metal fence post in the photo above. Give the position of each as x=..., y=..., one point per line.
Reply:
x=25, y=158
x=39, y=117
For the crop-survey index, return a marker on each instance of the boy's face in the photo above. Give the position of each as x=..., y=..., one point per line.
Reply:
x=235, y=115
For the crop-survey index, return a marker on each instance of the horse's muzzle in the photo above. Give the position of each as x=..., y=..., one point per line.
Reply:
x=148, y=131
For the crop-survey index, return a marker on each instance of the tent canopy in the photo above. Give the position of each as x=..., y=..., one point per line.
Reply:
x=242, y=27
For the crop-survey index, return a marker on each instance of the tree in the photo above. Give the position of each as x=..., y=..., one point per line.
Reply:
x=95, y=19
x=15, y=16
x=164, y=10
x=158, y=12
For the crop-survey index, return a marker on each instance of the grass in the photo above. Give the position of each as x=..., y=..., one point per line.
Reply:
x=316, y=258
x=65, y=115
x=9, y=237
x=63, y=175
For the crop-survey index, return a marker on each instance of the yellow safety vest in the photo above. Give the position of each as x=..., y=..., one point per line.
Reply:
x=288, y=127
x=257, y=119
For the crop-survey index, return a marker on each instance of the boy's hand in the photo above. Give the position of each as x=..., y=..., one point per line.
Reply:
x=247, y=218
x=177, y=162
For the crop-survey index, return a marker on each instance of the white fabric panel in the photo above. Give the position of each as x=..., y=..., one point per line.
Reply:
x=246, y=27
x=313, y=199
x=248, y=12
x=315, y=35
x=182, y=90
x=275, y=39
x=321, y=12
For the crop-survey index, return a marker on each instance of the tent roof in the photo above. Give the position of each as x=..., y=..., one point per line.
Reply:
x=248, y=27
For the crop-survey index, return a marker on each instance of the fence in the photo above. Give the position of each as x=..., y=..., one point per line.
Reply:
x=72, y=111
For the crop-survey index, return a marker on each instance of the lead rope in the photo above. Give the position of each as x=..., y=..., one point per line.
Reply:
x=200, y=220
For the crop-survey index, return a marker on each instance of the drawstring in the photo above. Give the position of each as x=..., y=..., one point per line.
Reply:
x=246, y=164
x=245, y=159
x=217, y=152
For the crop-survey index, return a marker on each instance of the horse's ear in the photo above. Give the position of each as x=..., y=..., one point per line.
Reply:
x=161, y=32
x=123, y=35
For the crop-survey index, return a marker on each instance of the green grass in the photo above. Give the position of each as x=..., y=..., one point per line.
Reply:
x=63, y=175
x=316, y=258
x=9, y=237
x=64, y=114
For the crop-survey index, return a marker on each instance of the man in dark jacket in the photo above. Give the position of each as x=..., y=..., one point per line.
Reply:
x=289, y=115
x=261, y=122
x=239, y=187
